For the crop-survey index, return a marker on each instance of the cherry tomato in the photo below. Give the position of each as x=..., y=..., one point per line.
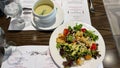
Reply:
x=65, y=32
x=94, y=46
x=83, y=29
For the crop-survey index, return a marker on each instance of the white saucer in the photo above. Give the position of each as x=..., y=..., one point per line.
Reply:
x=59, y=20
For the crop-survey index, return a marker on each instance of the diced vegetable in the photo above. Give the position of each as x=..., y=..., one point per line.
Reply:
x=83, y=29
x=94, y=46
x=65, y=32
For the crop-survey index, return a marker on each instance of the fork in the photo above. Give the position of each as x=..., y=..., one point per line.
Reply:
x=92, y=10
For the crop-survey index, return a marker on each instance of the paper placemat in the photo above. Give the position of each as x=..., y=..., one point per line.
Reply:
x=30, y=56
x=74, y=10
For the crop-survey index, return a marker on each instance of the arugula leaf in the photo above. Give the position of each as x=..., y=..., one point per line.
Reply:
x=58, y=45
x=70, y=28
x=91, y=35
x=77, y=27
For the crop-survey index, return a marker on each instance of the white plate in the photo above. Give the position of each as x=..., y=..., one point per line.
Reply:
x=87, y=64
x=59, y=20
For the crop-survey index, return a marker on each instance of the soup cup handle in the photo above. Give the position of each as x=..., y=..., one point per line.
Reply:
x=36, y=19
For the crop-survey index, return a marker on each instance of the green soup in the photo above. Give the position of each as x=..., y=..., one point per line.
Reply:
x=43, y=9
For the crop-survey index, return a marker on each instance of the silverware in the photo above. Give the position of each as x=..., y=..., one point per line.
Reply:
x=92, y=10
x=27, y=10
x=24, y=8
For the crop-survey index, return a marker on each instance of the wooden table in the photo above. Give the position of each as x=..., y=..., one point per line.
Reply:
x=99, y=21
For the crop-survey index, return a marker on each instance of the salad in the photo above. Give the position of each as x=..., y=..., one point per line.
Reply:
x=77, y=44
